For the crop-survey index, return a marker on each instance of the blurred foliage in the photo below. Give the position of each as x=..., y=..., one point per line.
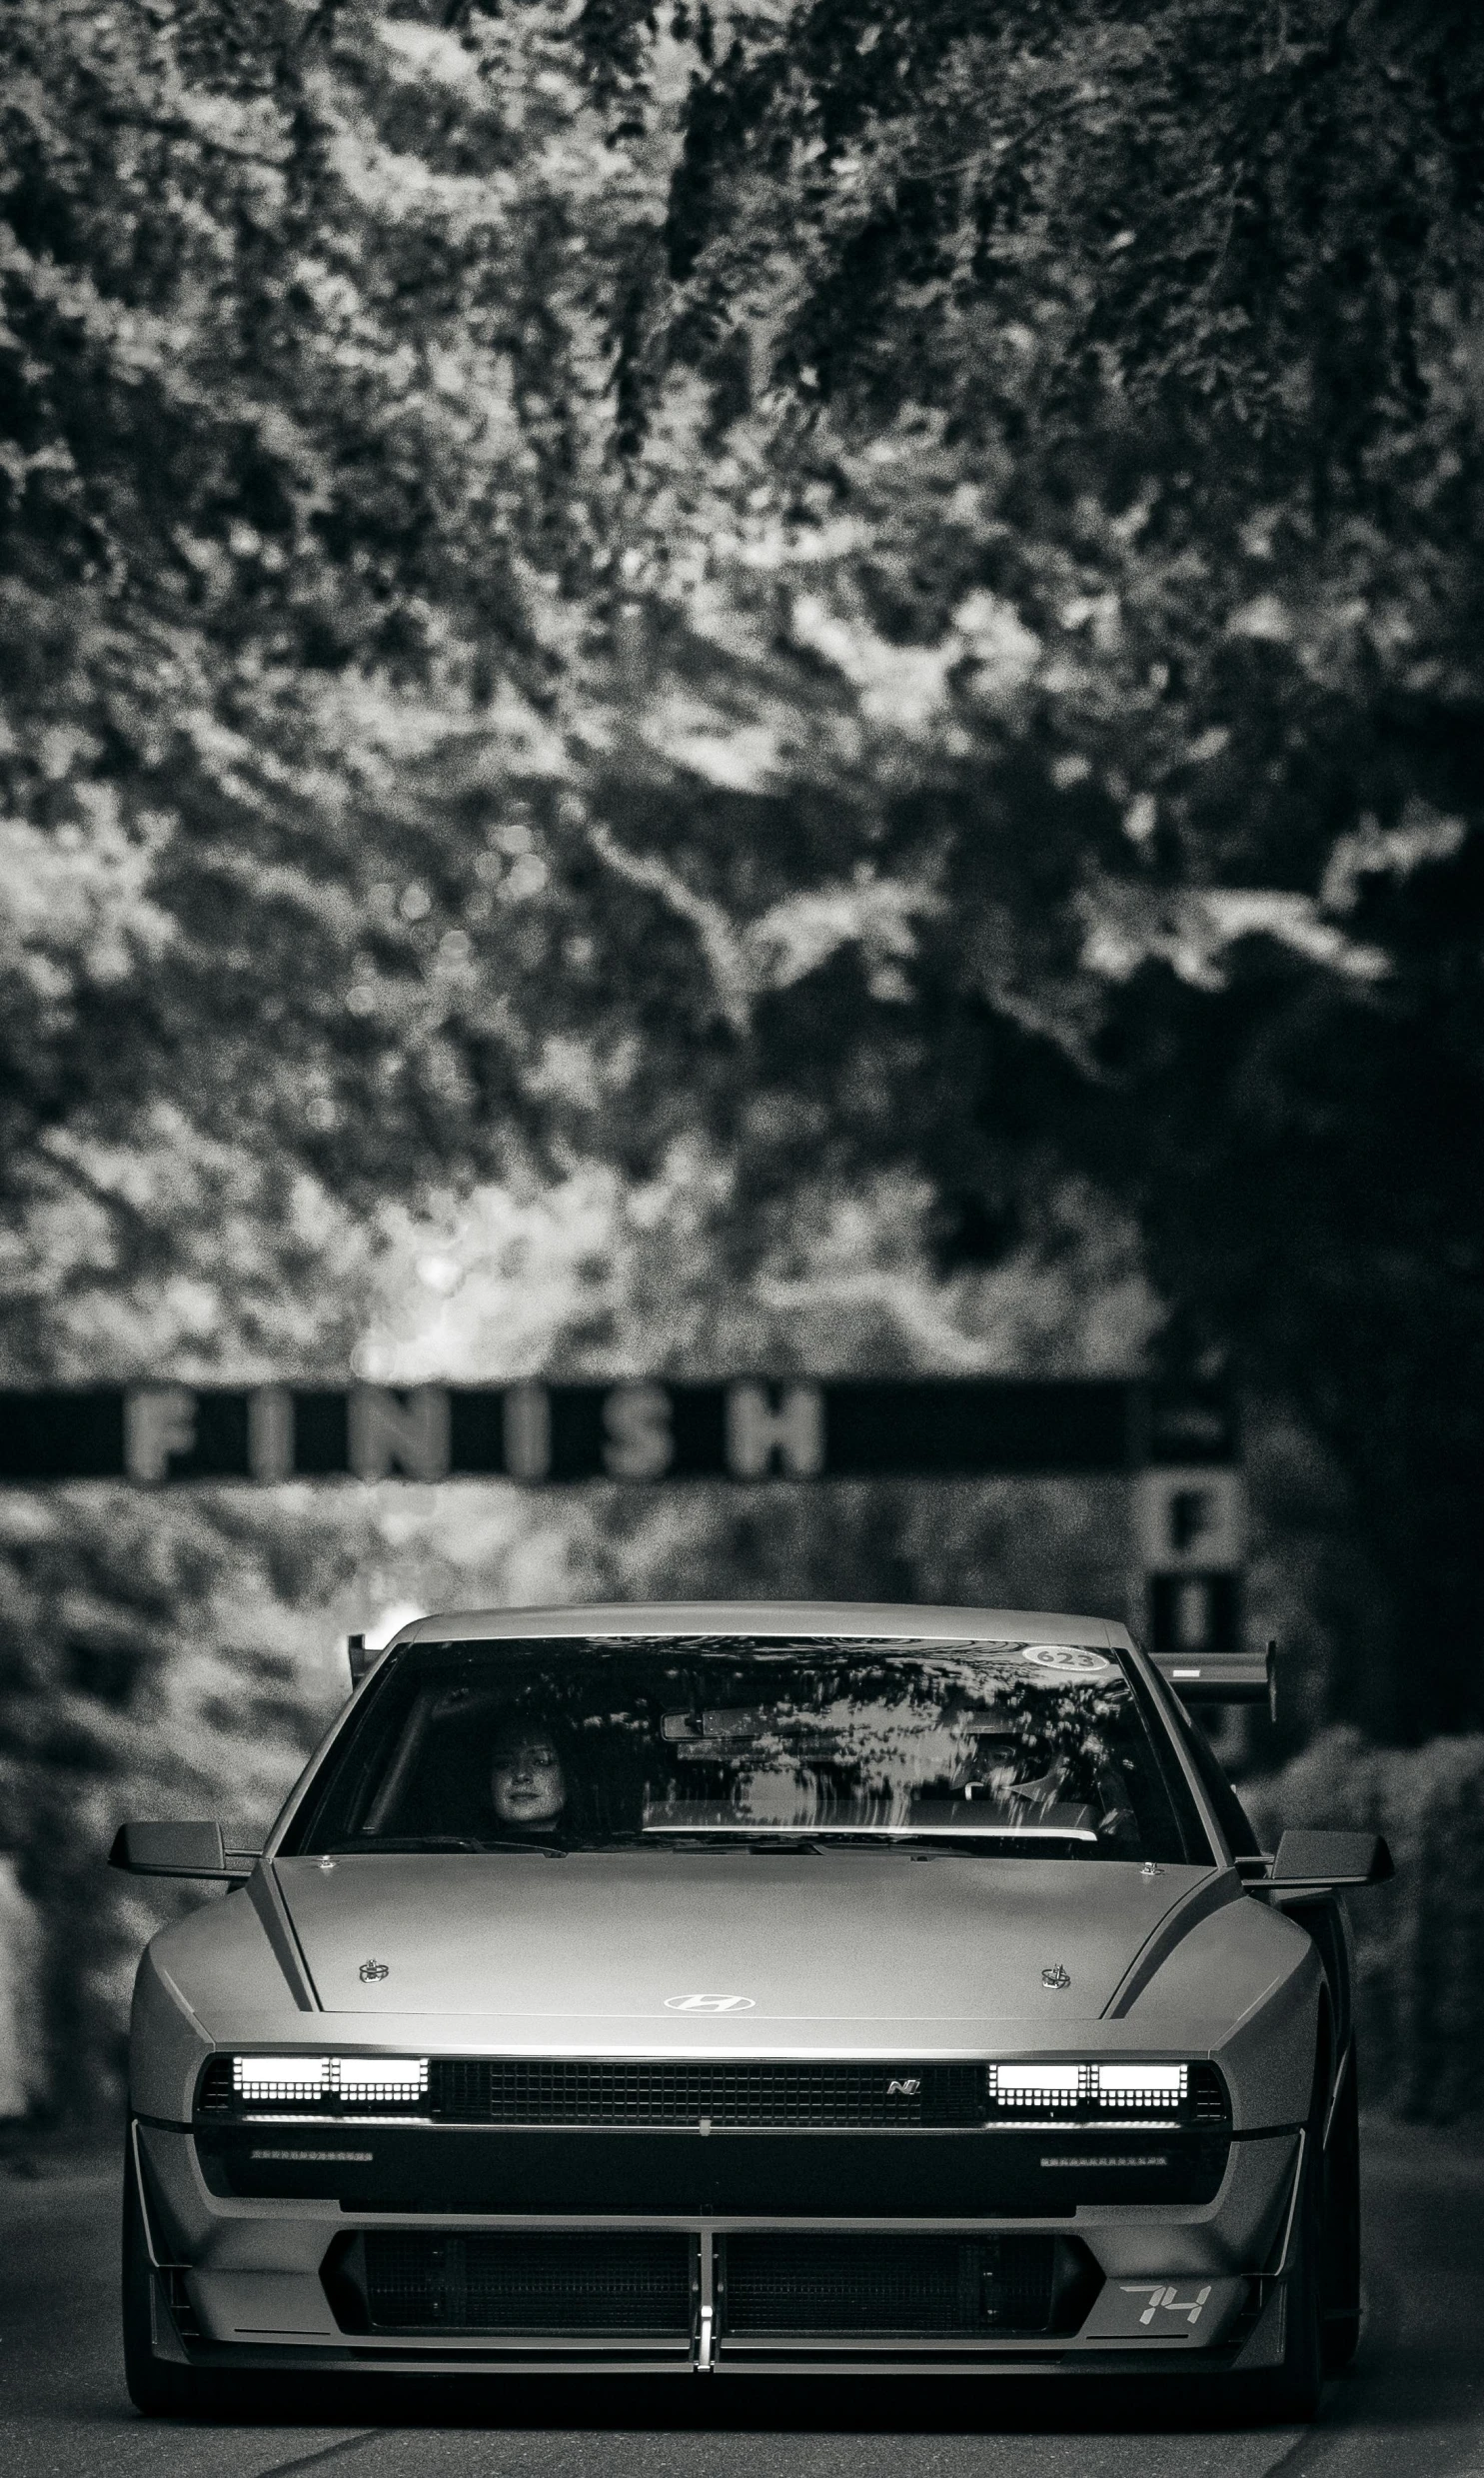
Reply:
x=1419, y=1941
x=154, y=1660
x=1093, y=553
x=597, y=1276
x=302, y=397
x=871, y=590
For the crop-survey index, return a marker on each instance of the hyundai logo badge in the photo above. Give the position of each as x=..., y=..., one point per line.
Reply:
x=709, y=2004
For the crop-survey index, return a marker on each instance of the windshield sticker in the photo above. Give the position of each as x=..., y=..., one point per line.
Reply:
x=1069, y=1660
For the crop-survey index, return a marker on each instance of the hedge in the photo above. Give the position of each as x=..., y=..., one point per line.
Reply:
x=1419, y=1941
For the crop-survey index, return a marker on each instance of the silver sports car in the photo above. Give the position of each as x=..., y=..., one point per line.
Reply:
x=744, y=1988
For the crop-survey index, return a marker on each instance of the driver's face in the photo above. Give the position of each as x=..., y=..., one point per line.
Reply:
x=528, y=1784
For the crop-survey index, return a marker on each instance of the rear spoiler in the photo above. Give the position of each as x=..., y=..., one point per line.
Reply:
x=1222, y=1678
x=361, y=1657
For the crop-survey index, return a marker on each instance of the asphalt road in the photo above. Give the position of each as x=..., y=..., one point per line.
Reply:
x=1413, y=2403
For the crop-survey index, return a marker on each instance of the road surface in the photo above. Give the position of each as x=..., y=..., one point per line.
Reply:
x=1413, y=2404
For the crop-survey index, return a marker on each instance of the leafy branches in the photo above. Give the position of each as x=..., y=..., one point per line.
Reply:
x=875, y=588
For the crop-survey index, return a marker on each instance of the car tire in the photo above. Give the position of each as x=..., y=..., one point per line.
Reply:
x=1341, y=2288
x=157, y=2388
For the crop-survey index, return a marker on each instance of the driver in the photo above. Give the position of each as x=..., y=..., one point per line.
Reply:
x=528, y=1779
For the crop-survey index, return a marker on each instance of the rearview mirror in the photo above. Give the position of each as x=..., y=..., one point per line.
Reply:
x=1321, y=1863
x=178, y=1849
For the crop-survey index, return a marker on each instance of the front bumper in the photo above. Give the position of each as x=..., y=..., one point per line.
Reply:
x=245, y=2281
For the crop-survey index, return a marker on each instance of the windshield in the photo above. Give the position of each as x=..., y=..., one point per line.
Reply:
x=1038, y=1750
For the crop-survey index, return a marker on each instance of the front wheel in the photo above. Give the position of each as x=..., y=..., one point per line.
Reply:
x=157, y=2388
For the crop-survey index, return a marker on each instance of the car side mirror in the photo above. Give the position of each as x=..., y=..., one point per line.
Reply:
x=178, y=1849
x=1322, y=1863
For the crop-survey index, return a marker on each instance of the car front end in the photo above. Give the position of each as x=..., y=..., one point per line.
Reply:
x=808, y=2093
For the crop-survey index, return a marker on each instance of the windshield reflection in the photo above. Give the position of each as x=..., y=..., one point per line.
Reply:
x=1011, y=1749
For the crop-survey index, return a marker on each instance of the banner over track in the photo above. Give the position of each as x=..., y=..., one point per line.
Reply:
x=747, y=1428
x=1179, y=1448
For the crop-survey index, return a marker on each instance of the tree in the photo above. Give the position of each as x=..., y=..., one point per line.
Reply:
x=305, y=441
x=867, y=585
x=1062, y=657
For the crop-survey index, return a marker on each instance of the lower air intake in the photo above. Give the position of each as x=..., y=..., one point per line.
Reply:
x=951, y=2287
x=425, y=2281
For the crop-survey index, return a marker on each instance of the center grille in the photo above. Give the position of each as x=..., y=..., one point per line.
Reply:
x=1027, y=2287
x=537, y=2282
x=610, y=2091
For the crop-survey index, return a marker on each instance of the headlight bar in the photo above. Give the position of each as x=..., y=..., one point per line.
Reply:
x=1022, y=2091
x=314, y=2081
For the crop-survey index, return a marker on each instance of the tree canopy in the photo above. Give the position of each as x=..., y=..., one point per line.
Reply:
x=870, y=586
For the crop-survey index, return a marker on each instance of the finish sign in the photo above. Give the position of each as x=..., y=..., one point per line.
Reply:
x=1177, y=1447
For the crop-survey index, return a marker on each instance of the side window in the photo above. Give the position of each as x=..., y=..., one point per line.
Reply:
x=354, y=1763
x=1231, y=1815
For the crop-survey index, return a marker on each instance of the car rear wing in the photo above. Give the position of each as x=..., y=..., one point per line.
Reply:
x=362, y=1656
x=1222, y=1678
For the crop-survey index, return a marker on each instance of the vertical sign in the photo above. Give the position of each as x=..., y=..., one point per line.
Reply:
x=1189, y=1525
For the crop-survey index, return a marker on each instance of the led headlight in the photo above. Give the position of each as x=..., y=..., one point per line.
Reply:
x=1090, y=2090
x=1156, y=2088
x=263, y=2080
x=371, y=2081
x=328, y=2081
x=1035, y=2087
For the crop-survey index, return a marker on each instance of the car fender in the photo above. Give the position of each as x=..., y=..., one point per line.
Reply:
x=1252, y=1969
x=222, y=1961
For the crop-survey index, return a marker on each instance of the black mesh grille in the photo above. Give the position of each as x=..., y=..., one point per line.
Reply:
x=777, y=2283
x=538, y=2091
x=429, y=2281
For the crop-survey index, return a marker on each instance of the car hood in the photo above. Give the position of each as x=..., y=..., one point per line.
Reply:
x=794, y=1939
